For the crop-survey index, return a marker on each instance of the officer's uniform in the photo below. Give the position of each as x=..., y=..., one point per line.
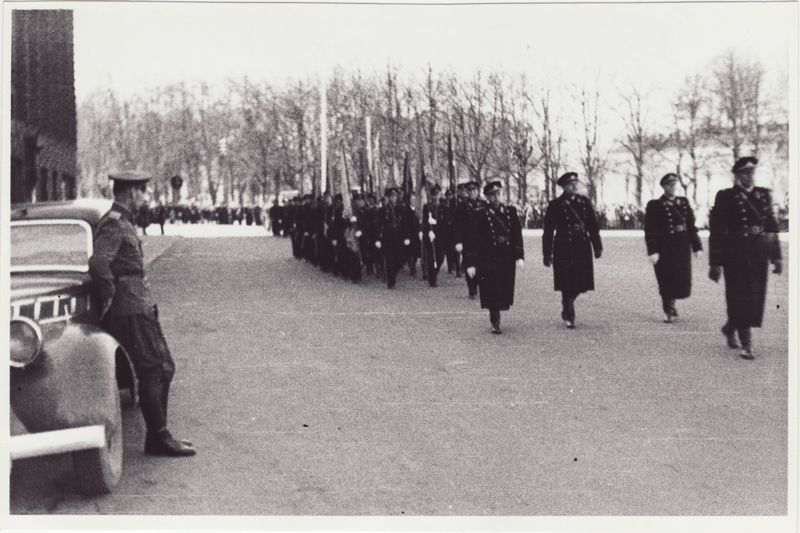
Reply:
x=743, y=241
x=670, y=232
x=130, y=315
x=495, y=246
x=392, y=232
x=434, y=219
x=465, y=213
x=572, y=219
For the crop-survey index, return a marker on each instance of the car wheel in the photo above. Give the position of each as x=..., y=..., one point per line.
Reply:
x=99, y=470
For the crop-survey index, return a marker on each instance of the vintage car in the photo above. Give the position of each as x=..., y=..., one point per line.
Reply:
x=66, y=371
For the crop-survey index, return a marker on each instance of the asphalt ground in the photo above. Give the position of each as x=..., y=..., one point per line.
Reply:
x=309, y=395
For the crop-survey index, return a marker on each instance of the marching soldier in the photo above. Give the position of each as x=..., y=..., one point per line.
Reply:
x=463, y=221
x=129, y=313
x=323, y=220
x=572, y=218
x=453, y=264
x=434, y=226
x=392, y=235
x=414, y=249
x=366, y=222
x=495, y=252
x=670, y=236
x=742, y=243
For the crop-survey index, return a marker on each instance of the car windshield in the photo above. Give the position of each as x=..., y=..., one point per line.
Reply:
x=43, y=245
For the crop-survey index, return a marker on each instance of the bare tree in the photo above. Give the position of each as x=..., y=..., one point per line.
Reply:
x=550, y=140
x=739, y=107
x=591, y=156
x=637, y=139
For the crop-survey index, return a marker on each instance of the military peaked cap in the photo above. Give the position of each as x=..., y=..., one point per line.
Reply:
x=492, y=187
x=669, y=177
x=391, y=190
x=436, y=188
x=472, y=184
x=130, y=177
x=566, y=178
x=744, y=163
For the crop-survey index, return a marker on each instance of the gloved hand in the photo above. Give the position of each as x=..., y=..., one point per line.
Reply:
x=459, y=247
x=714, y=273
x=334, y=242
x=420, y=235
x=778, y=264
x=653, y=258
x=431, y=236
x=358, y=233
x=378, y=245
x=598, y=253
x=520, y=263
x=547, y=262
x=406, y=242
x=353, y=219
x=471, y=272
x=431, y=221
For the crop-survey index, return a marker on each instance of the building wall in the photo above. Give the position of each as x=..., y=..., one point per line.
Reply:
x=43, y=110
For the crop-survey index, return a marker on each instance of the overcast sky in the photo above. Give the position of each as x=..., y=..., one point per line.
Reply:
x=131, y=46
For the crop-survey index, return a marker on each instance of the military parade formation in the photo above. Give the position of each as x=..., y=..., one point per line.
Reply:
x=480, y=239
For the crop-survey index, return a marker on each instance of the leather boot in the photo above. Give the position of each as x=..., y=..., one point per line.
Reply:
x=163, y=444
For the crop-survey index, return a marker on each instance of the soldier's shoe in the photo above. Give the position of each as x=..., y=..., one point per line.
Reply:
x=496, y=329
x=570, y=324
x=164, y=445
x=747, y=353
x=730, y=336
x=668, y=318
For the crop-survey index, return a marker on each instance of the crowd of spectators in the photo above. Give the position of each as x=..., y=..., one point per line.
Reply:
x=192, y=214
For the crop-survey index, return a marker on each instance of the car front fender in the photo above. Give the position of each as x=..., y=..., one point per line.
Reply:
x=72, y=383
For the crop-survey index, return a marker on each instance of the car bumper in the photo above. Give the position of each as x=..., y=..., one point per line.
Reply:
x=59, y=441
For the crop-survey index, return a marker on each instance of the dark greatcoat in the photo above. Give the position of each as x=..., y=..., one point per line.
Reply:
x=743, y=241
x=414, y=250
x=670, y=232
x=571, y=249
x=496, y=244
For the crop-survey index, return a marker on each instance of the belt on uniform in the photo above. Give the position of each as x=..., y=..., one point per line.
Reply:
x=127, y=277
x=751, y=230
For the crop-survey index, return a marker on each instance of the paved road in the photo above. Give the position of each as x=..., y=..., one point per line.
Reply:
x=308, y=395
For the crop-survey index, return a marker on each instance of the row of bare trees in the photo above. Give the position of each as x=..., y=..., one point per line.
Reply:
x=247, y=141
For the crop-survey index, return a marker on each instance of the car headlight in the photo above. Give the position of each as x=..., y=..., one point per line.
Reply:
x=26, y=341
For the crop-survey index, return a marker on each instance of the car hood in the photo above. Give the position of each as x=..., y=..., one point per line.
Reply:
x=32, y=285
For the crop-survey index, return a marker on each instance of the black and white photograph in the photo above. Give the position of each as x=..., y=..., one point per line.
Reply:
x=400, y=266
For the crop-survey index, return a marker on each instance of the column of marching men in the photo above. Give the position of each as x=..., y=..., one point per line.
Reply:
x=481, y=240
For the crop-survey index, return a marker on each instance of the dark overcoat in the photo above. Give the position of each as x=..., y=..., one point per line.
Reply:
x=495, y=246
x=743, y=241
x=570, y=233
x=670, y=232
x=414, y=250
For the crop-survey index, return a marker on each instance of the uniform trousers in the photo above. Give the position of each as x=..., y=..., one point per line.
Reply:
x=141, y=336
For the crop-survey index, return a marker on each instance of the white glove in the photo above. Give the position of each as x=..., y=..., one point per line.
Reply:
x=431, y=236
x=459, y=247
x=520, y=263
x=353, y=220
x=358, y=233
x=431, y=221
x=420, y=235
x=653, y=258
x=378, y=245
x=471, y=272
x=333, y=242
x=406, y=242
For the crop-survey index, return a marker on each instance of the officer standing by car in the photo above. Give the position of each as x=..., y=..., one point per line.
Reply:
x=571, y=217
x=743, y=241
x=129, y=313
x=495, y=252
x=671, y=236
